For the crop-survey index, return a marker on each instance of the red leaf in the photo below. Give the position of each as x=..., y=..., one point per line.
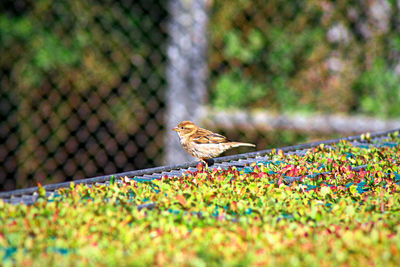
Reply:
x=234, y=206
x=181, y=199
x=200, y=166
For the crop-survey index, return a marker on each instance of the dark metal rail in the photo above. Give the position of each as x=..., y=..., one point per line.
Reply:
x=29, y=195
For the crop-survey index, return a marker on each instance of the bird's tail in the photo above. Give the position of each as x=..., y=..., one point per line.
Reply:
x=236, y=144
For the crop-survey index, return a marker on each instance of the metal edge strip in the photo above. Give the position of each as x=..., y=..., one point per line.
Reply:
x=104, y=178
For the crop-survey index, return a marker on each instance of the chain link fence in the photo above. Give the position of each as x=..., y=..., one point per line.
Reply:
x=93, y=87
x=82, y=88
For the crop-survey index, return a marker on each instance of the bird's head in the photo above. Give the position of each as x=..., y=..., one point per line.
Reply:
x=185, y=128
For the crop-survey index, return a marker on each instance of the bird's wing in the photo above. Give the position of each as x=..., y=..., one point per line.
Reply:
x=203, y=136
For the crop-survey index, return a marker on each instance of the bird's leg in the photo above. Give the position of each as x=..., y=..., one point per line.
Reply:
x=204, y=161
x=207, y=162
x=201, y=165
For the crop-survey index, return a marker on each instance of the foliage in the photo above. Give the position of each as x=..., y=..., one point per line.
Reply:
x=327, y=56
x=382, y=85
x=331, y=215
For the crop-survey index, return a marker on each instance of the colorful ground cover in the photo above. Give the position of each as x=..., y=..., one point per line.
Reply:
x=333, y=205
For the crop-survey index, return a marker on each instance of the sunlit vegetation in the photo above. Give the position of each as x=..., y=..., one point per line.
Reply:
x=334, y=205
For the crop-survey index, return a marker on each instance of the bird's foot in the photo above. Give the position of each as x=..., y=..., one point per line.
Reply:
x=205, y=163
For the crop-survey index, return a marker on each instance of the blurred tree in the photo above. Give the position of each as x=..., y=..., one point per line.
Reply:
x=305, y=55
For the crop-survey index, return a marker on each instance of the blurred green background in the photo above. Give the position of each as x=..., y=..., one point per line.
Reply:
x=311, y=56
x=82, y=83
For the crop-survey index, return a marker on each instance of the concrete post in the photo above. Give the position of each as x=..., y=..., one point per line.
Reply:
x=186, y=71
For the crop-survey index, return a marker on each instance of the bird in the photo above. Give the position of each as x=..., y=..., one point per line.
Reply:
x=203, y=144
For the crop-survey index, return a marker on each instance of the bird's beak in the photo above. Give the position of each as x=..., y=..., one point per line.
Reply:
x=175, y=129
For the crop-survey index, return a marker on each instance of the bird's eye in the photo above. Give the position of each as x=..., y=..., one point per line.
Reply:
x=182, y=127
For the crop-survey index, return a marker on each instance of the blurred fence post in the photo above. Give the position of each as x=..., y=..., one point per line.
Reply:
x=186, y=70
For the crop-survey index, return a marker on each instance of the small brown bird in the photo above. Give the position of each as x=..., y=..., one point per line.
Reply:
x=203, y=144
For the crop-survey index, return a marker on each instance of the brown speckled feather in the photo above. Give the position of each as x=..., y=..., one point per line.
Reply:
x=204, y=136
